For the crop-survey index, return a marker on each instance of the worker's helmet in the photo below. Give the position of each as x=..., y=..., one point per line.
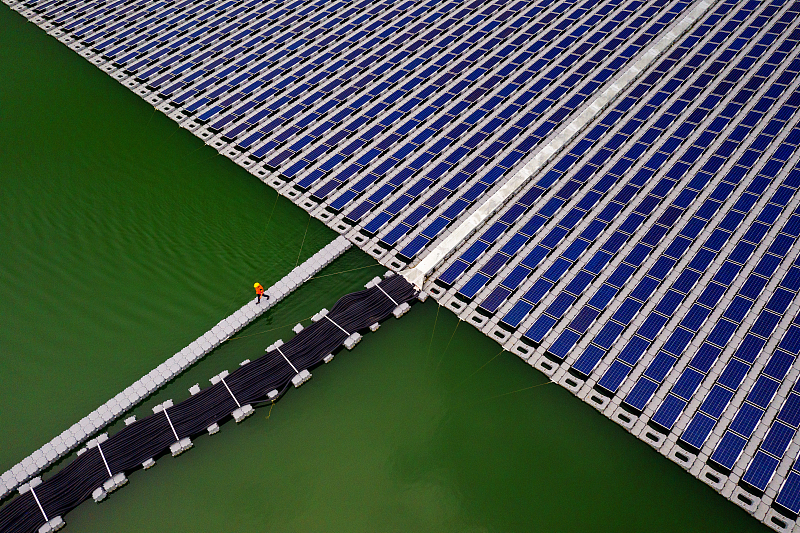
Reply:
x=256, y=285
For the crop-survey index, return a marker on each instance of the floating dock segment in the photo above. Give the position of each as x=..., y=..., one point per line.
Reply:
x=103, y=465
x=117, y=406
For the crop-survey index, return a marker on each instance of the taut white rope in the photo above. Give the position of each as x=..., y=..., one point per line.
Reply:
x=387, y=294
x=40, y=505
x=170, y=425
x=338, y=326
x=104, y=459
x=287, y=360
x=229, y=389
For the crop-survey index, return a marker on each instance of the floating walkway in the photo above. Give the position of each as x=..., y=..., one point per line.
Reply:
x=117, y=406
x=608, y=189
x=103, y=466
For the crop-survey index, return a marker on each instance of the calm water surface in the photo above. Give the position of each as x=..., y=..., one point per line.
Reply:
x=124, y=238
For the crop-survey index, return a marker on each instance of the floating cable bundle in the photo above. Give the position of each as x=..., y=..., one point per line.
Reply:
x=102, y=467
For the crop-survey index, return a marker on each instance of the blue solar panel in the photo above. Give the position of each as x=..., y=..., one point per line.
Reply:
x=760, y=471
x=734, y=373
x=750, y=349
x=746, y=420
x=698, y=430
x=661, y=365
x=641, y=393
x=790, y=412
x=687, y=384
x=777, y=439
x=716, y=401
x=728, y=450
x=614, y=376
x=789, y=495
x=669, y=411
x=763, y=391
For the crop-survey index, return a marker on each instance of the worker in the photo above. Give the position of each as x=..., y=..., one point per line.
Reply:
x=260, y=293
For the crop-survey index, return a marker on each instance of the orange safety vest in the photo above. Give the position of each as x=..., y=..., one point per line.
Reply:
x=259, y=290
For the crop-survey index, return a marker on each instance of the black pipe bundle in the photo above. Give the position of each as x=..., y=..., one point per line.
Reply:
x=152, y=436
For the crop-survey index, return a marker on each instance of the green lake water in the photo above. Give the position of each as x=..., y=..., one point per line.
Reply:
x=124, y=238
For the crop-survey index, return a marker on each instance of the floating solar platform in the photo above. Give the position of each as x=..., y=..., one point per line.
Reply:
x=604, y=187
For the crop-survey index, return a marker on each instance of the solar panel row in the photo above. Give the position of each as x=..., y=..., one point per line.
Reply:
x=691, y=295
x=538, y=253
x=650, y=327
x=636, y=185
x=567, y=161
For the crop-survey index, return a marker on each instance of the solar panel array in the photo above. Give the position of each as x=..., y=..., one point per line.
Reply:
x=650, y=266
